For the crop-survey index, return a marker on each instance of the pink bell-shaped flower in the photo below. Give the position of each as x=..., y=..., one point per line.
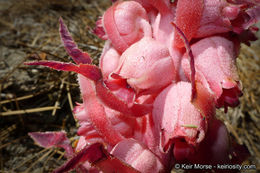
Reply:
x=177, y=118
x=215, y=69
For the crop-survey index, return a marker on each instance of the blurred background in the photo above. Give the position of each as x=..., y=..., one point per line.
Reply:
x=39, y=99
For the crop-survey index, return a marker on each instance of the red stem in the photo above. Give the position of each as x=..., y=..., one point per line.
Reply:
x=192, y=63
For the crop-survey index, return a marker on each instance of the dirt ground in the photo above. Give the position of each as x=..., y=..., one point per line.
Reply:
x=40, y=99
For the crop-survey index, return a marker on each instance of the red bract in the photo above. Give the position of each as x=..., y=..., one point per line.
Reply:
x=165, y=68
x=50, y=139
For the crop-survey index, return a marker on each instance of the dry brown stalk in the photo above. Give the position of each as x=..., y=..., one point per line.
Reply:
x=26, y=111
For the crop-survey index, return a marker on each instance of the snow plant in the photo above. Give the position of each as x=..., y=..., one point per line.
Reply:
x=165, y=68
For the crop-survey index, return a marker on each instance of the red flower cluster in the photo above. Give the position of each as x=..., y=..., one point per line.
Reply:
x=165, y=68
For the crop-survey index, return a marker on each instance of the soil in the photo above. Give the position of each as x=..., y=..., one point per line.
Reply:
x=40, y=99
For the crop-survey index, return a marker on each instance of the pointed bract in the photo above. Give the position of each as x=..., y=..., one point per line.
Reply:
x=72, y=49
x=53, y=139
x=89, y=71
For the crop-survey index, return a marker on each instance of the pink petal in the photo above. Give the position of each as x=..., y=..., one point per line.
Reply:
x=143, y=64
x=138, y=156
x=213, y=20
x=113, y=102
x=224, y=16
x=121, y=89
x=109, y=59
x=176, y=117
x=112, y=31
x=162, y=28
x=125, y=23
x=123, y=124
x=218, y=54
x=147, y=133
